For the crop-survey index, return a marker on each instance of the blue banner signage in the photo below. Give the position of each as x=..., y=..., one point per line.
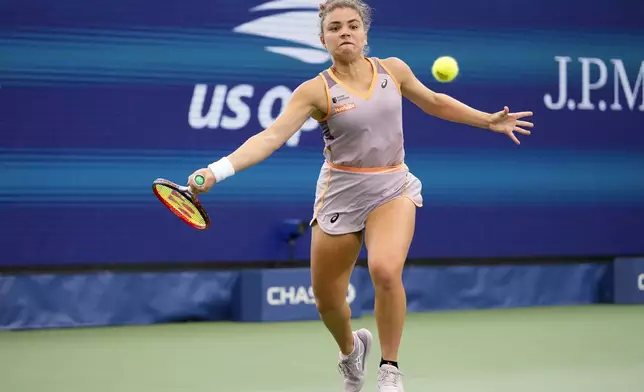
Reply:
x=98, y=101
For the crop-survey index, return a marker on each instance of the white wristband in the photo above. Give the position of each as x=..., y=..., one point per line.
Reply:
x=221, y=169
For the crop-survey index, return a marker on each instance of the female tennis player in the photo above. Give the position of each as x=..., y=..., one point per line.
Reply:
x=364, y=190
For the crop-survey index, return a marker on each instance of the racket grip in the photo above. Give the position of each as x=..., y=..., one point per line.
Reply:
x=199, y=180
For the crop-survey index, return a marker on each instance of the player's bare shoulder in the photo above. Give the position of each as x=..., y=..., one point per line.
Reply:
x=397, y=67
x=313, y=91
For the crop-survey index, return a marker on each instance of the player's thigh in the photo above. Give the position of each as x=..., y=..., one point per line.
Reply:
x=332, y=260
x=388, y=235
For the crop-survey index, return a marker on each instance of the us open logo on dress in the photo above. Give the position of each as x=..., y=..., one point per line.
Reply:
x=343, y=108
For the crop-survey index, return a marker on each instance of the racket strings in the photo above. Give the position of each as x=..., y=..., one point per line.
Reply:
x=181, y=204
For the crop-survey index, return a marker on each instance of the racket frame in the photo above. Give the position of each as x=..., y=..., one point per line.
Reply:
x=184, y=191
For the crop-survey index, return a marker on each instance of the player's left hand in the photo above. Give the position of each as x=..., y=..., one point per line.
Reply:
x=508, y=123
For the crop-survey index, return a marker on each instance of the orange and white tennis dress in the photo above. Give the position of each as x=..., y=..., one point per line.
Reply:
x=364, y=154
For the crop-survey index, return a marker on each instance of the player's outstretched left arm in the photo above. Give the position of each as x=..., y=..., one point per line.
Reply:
x=447, y=108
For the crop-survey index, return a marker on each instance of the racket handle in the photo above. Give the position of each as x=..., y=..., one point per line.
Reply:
x=199, y=180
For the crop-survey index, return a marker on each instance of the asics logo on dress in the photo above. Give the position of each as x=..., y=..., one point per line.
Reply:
x=296, y=23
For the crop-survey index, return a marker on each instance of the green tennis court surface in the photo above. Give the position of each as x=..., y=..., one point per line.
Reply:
x=591, y=348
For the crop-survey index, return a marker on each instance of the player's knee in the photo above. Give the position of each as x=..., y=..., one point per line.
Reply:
x=326, y=305
x=386, y=274
x=328, y=301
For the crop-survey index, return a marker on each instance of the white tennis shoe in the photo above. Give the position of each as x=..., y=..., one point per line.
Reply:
x=390, y=379
x=353, y=366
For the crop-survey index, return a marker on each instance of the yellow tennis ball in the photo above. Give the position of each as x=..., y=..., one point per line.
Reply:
x=445, y=69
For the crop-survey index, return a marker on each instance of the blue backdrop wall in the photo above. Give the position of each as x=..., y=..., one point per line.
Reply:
x=98, y=99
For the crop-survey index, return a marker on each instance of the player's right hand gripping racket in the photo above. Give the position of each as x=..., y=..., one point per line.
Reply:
x=182, y=202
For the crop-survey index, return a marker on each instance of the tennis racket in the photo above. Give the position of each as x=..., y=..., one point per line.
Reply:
x=182, y=202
